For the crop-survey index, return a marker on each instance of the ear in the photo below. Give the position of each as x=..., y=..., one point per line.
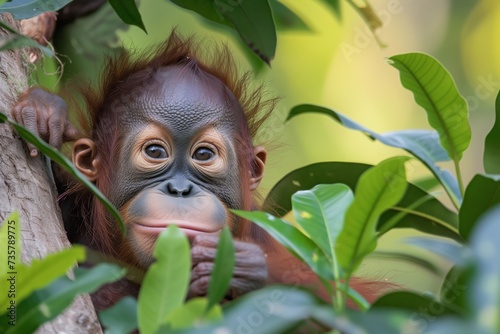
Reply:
x=85, y=158
x=259, y=162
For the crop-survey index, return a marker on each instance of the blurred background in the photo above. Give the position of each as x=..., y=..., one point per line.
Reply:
x=338, y=63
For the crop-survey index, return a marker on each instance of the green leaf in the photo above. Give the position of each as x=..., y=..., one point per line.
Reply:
x=484, y=288
x=120, y=318
x=193, y=313
x=42, y=272
x=435, y=91
x=378, y=189
x=62, y=161
x=206, y=9
x=335, y=7
x=24, y=9
x=45, y=304
x=424, y=304
x=88, y=41
x=453, y=292
x=166, y=283
x=221, y=276
x=128, y=12
x=357, y=298
x=422, y=144
x=453, y=325
x=286, y=19
x=430, y=216
x=252, y=19
x=426, y=183
x=272, y=310
x=378, y=321
x=16, y=40
x=482, y=193
x=320, y=212
x=407, y=258
x=254, y=22
x=293, y=240
x=491, y=157
x=456, y=253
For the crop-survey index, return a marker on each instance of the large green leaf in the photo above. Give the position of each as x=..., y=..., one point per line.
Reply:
x=254, y=22
x=206, y=9
x=47, y=303
x=406, y=300
x=453, y=325
x=422, y=144
x=62, y=161
x=335, y=7
x=87, y=42
x=166, y=283
x=121, y=318
x=379, y=321
x=482, y=193
x=453, y=291
x=484, y=290
x=455, y=253
x=192, y=313
x=222, y=273
x=491, y=157
x=407, y=258
x=252, y=19
x=272, y=310
x=291, y=238
x=128, y=12
x=435, y=91
x=16, y=40
x=430, y=216
x=24, y=9
x=378, y=189
x=42, y=272
x=286, y=19
x=320, y=212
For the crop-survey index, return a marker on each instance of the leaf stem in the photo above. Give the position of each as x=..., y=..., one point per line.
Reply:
x=397, y=218
x=426, y=216
x=460, y=182
x=339, y=296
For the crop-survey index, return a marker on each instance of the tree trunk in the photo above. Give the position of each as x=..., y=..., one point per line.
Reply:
x=26, y=185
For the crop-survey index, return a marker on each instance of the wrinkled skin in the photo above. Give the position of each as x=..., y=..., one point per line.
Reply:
x=178, y=165
x=45, y=115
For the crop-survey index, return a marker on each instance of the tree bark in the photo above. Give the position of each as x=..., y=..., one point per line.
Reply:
x=26, y=185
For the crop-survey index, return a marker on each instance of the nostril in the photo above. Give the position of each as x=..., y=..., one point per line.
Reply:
x=180, y=190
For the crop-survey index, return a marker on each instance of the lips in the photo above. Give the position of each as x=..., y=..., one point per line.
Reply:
x=155, y=228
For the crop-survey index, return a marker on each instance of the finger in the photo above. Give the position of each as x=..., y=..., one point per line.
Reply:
x=16, y=113
x=55, y=132
x=202, y=254
x=206, y=240
x=70, y=132
x=257, y=274
x=29, y=120
x=201, y=269
x=199, y=287
x=43, y=129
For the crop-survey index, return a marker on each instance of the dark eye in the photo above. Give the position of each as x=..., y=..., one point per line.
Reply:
x=156, y=151
x=203, y=154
